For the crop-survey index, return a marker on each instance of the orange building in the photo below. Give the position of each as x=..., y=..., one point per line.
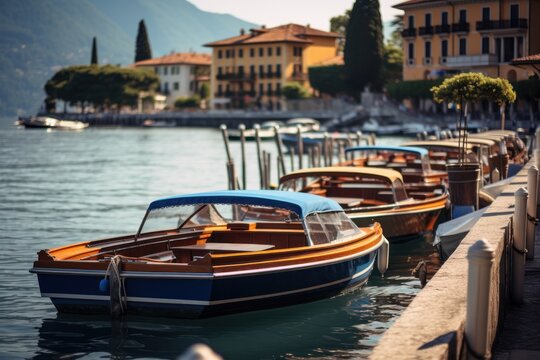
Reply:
x=252, y=68
x=442, y=37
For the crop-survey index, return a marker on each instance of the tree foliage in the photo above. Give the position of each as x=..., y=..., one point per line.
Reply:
x=101, y=86
x=187, y=102
x=363, y=53
x=142, y=45
x=329, y=80
x=472, y=87
x=295, y=91
x=412, y=89
x=94, y=58
x=204, y=91
x=338, y=24
x=392, y=70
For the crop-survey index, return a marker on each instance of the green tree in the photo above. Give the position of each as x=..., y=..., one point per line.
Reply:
x=328, y=79
x=338, y=24
x=395, y=36
x=392, y=70
x=363, y=53
x=295, y=91
x=204, y=91
x=187, y=102
x=94, y=58
x=142, y=45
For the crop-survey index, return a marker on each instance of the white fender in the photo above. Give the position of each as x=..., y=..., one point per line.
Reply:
x=383, y=256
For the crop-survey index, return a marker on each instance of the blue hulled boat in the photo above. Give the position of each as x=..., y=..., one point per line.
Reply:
x=213, y=253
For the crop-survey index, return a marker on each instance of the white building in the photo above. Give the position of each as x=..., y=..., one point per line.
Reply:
x=180, y=74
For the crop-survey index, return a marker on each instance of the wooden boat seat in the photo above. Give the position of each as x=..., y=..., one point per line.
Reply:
x=189, y=253
x=280, y=239
x=422, y=195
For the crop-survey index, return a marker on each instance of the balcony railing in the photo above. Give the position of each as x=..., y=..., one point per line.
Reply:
x=410, y=32
x=442, y=29
x=236, y=77
x=501, y=24
x=461, y=27
x=472, y=60
x=425, y=30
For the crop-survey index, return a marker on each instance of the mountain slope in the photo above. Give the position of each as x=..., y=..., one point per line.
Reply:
x=38, y=37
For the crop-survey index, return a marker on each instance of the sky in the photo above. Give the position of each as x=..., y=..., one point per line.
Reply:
x=317, y=13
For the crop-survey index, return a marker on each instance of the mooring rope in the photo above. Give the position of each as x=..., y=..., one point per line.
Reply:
x=117, y=290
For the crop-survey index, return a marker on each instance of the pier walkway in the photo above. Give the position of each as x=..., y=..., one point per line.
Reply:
x=520, y=336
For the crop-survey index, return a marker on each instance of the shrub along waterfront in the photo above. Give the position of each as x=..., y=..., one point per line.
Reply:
x=104, y=87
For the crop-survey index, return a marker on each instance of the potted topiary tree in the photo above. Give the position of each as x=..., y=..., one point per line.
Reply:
x=463, y=90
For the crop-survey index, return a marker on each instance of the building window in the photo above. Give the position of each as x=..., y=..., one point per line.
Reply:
x=227, y=54
x=411, y=51
x=252, y=52
x=157, y=70
x=278, y=89
x=411, y=21
x=427, y=20
x=278, y=51
x=462, y=16
x=297, y=51
x=485, y=45
x=270, y=51
x=269, y=88
x=508, y=49
x=269, y=70
x=240, y=53
x=444, y=48
x=486, y=14
x=219, y=70
x=252, y=70
x=463, y=46
x=427, y=49
x=165, y=70
x=176, y=85
x=166, y=87
x=219, y=90
x=233, y=53
x=514, y=15
x=498, y=49
x=261, y=52
x=220, y=54
x=519, y=47
x=192, y=85
x=241, y=70
x=261, y=89
x=278, y=69
x=444, y=18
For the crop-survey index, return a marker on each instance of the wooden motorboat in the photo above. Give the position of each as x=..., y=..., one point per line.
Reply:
x=374, y=195
x=213, y=253
x=412, y=162
x=266, y=131
x=45, y=122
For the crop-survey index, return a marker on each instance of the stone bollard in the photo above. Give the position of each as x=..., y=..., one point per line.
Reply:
x=480, y=256
x=242, y=129
x=532, y=187
x=518, y=253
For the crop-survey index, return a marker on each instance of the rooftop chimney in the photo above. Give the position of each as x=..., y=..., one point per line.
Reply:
x=263, y=26
x=242, y=31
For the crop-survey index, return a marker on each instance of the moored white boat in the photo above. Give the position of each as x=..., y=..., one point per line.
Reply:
x=45, y=122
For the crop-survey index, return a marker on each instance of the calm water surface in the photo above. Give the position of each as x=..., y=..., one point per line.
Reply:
x=62, y=187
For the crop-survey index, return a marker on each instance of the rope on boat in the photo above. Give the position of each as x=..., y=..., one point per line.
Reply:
x=117, y=290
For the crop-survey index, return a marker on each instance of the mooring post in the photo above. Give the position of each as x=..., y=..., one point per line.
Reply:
x=259, y=155
x=532, y=187
x=300, y=147
x=242, y=129
x=518, y=253
x=223, y=128
x=480, y=259
x=265, y=170
x=268, y=170
x=279, y=145
x=358, y=138
x=325, y=149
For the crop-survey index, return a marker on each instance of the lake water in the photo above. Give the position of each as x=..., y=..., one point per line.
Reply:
x=62, y=187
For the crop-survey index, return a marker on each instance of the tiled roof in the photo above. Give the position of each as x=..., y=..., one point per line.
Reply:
x=336, y=60
x=178, y=58
x=284, y=33
x=413, y=2
x=531, y=59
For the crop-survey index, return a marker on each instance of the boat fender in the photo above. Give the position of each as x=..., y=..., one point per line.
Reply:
x=383, y=256
x=104, y=285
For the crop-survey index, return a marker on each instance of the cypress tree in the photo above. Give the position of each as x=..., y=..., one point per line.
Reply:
x=94, y=59
x=364, y=50
x=142, y=45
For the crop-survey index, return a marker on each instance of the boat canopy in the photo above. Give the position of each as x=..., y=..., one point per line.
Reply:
x=384, y=174
x=301, y=204
x=421, y=152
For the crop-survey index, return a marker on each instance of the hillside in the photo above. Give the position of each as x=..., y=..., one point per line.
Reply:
x=38, y=37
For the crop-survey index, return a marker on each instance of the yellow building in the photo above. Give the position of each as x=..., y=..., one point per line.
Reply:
x=251, y=69
x=442, y=37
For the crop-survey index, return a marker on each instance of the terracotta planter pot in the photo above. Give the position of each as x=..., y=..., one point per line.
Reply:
x=464, y=183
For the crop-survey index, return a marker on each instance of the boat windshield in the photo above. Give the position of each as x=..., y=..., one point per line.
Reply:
x=324, y=228
x=191, y=216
